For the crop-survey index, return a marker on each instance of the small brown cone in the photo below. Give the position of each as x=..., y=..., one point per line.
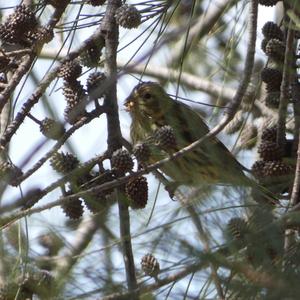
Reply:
x=73, y=208
x=269, y=134
x=269, y=151
x=96, y=2
x=64, y=162
x=258, y=168
x=268, y=2
x=128, y=16
x=272, y=99
x=277, y=168
x=95, y=84
x=275, y=49
x=52, y=129
x=10, y=173
x=91, y=56
x=272, y=77
x=150, y=265
x=121, y=161
x=137, y=192
x=70, y=70
x=271, y=30
x=141, y=152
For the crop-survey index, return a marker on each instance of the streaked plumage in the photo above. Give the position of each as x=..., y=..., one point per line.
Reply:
x=151, y=108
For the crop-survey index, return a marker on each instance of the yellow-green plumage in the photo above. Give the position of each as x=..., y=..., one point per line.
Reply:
x=151, y=108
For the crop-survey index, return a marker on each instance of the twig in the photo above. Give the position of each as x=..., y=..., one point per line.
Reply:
x=111, y=31
x=287, y=76
x=187, y=79
x=28, y=60
x=20, y=202
x=45, y=82
x=262, y=279
x=162, y=282
x=83, y=121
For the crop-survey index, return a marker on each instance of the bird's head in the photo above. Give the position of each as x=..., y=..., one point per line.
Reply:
x=146, y=99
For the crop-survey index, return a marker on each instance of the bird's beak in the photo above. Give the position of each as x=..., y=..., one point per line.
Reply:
x=129, y=104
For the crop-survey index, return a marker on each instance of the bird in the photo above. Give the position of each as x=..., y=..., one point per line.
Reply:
x=151, y=109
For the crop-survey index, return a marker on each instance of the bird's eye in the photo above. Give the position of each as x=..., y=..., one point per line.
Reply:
x=147, y=96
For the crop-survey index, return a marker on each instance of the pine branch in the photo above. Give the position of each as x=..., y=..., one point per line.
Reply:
x=110, y=29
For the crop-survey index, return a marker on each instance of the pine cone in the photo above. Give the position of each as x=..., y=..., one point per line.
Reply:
x=18, y=25
x=150, y=265
x=272, y=100
x=8, y=34
x=237, y=229
x=141, y=152
x=137, y=192
x=258, y=168
x=73, y=92
x=272, y=31
x=165, y=137
x=73, y=208
x=76, y=100
x=128, y=16
x=269, y=151
x=269, y=134
x=43, y=35
x=70, y=70
x=91, y=56
x=268, y=2
x=275, y=49
x=22, y=20
x=276, y=177
x=121, y=161
x=94, y=84
x=52, y=129
x=272, y=78
x=96, y=2
x=9, y=173
x=64, y=163
x=277, y=168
